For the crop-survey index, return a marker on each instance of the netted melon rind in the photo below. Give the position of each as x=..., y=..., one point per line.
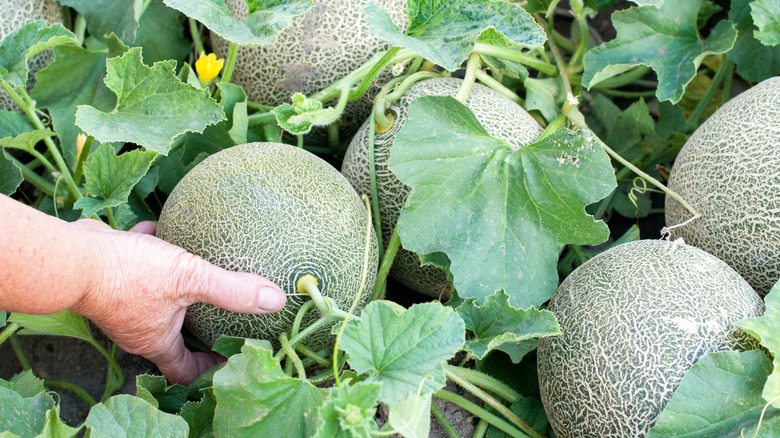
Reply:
x=319, y=48
x=17, y=13
x=278, y=211
x=729, y=171
x=501, y=117
x=633, y=319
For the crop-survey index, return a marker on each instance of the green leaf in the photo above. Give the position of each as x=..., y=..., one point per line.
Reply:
x=530, y=410
x=75, y=77
x=110, y=178
x=719, y=395
x=444, y=31
x=303, y=114
x=349, y=411
x=27, y=384
x=483, y=204
x=256, y=398
x=412, y=418
x=543, y=95
x=54, y=427
x=403, y=349
x=109, y=16
x=235, y=102
x=161, y=34
x=10, y=176
x=127, y=416
x=153, y=106
x=755, y=61
x=29, y=40
x=23, y=416
x=766, y=15
x=64, y=323
x=3, y=317
x=496, y=323
x=665, y=39
x=13, y=123
x=167, y=398
x=262, y=26
x=765, y=330
x=27, y=140
x=200, y=415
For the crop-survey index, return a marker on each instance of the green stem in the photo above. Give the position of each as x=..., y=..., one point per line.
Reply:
x=114, y=380
x=492, y=402
x=498, y=86
x=561, y=41
x=727, y=84
x=481, y=429
x=414, y=66
x=110, y=215
x=311, y=354
x=582, y=47
x=296, y=327
x=20, y=352
x=472, y=65
x=484, y=381
x=300, y=140
x=517, y=56
x=316, y=325
x=386, y=97
x=33, y=178
x=626, y=94
x=480, y=412
x=292, y=356
x=334, y=138
x=443, y=421
x=374, y=186
x=693, y=119
x=261, y=119
x=80, y=27
x=386, y=263
x=111, y=361
x=258, y=106
x=82, y=157
x=8, y=331
x=322, y=377
x=369, y=78
x=231, y=62
x=195, y=33
x=624, y=78
x=72, y=387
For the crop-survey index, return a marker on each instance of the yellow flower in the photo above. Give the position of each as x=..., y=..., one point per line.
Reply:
x=80, y=140
x=208, y=67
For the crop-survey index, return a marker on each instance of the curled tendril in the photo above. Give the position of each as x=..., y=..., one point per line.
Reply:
x=641, y=189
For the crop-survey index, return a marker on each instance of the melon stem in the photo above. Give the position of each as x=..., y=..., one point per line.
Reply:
x=472, y=65
x=498, y=86
x=515, y=55
x=386, y=264
x=231, y=62
x=481, y=413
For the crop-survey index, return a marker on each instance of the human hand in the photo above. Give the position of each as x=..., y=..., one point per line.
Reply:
x=145, y=286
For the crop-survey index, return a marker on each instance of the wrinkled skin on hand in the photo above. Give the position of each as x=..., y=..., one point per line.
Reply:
x=141, y=297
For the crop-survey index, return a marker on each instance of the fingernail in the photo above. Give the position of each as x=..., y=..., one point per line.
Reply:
x=271, y=299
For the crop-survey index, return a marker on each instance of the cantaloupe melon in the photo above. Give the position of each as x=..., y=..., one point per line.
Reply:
x=319, y=48
x=729, y=171
x=15, y=14
x=278, y=211
x=633, y=319
x=501, y=117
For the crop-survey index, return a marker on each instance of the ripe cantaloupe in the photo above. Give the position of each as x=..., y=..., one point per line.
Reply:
x=15, y=14
x=278, y=211
x=633, y=319
x=319, y=48
x=501, y=117
x=729, y=171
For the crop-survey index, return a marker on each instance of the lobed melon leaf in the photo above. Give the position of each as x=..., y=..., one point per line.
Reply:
x=412, y=416
x=109, y=178
x=256, y=398
x=755, y=61
x=153, y=106
x=766, y=16
x=349, y=411
x=495, y=324
x=664, y=38
x=105, y=17
x=720, y=396
x=10, y=176
x=444, y=31
x=765, y=330
x=266, y=19
x=17, y=48
x=486, y=205
x=64, y=323
x=122, y=414
x=23, y=415
x=402, y=348
x=26, y=141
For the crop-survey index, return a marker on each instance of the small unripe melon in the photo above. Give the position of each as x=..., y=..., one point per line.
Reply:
x=13, y=15
x=502, y=119
x=633, y=320
x=729, y=171
x=278, y=211
x=319, y=48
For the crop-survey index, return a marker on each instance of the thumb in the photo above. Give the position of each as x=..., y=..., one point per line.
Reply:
x=234, y=291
